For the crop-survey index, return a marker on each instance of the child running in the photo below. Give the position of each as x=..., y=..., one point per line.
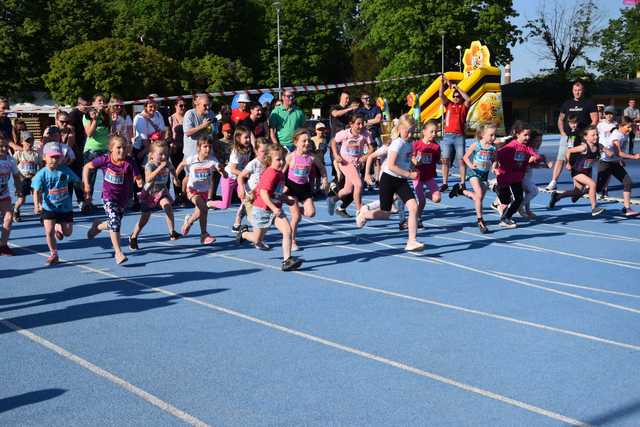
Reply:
x=267, y=208
x=479, y=158
x=199, y=169
x=51, y=185
x=581, y=158
x=611, y=158
x=425, y=157
x=394, y=180
x=240, y=156
x=119, y=172
x=297, y=171
x=29, y=161
x=156, y=191
x=353, y=142
x=248, y=181
x=530, y=188
x=513, y=160
x=8, y=168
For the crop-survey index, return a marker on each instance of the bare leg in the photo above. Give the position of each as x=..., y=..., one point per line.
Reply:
x=283, y=225
x=142, y=221
x=5, y=208
x=50, y=235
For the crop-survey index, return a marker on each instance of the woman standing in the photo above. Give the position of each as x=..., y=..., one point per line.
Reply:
x=176, y=139
x=97, y=124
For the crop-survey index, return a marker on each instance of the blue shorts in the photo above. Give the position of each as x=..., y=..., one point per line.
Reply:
x=263, y=218
x=482, y=176
x=562, y=148
x=450, y=141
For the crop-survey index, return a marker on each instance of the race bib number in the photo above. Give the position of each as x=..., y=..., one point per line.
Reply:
x=483, y=161
x=27, y=168
x=520, y=156
x=58, y=195
x=161, y=178
x=588, y=163
x=4, y=179
x=114, y=177
x=279, y=191
x=301, y=172
x=425, y=158
x=202, y=174
x=354, y=150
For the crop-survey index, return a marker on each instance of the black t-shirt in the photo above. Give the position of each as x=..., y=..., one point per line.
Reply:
x=76, y=120
x=338, y=123
x=257, y=128
x=369, y=114
x=582, y=109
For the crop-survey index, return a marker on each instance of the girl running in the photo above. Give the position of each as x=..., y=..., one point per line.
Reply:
x=156, y=191
x=611, y=158
x=582, y=158
x=240, y=156
x=425, y=157
x=394, y=180
x=8, y=168
x=248, y=181
x=480, y=158
x=199, y=169
x=119, y=171
x=267, y=207
x=513, y=160
x=297, y=171
x=353, y=142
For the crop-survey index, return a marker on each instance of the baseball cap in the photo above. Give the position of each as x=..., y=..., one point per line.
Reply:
x=25, y=135
x=52, y=149
x=226, y=127
x=320, y=125
x=609, y=109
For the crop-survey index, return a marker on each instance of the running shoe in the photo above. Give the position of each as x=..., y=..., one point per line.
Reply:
x=495, y=206
x=444, y=187
x=239, y=238
x=552, y=185
x=482, y=226
x=507, y=223
x=295, y=247
x=16, y=216
x=360, y=219
x=331, y=204
x=576, y=197
x=211, y=204
x=531, y=215
x=597, y=211
x=207, y=239
x=239, y=227
x=402, y=225
x=133, y=243
x=553, y=200
x=291, y=263
x=53, y=259
x=262, y=246
x=523, y=212
x=6, y=251
x=414, y=246
x=628, y=212
x=455, y=191
x=174, y=235
x=93, y=231
x=342, y=212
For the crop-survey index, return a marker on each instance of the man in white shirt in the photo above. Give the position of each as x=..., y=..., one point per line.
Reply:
x=199, y=121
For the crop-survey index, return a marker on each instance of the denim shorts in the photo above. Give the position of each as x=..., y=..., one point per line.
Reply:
x=263, y=218
x=449, y=141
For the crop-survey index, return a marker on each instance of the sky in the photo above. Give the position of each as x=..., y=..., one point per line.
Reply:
x=525, y=61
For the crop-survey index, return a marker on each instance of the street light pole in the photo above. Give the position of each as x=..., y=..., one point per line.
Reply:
x=277, y=5
x=442, y=33
x=459, y=56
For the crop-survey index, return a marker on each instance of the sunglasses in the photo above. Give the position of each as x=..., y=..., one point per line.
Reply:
x=365, y=98
x=180, y=105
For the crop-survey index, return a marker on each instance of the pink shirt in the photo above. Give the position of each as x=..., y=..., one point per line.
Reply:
x=299, y=168
x=513, y=160
x=352, y=147
x=427, y=156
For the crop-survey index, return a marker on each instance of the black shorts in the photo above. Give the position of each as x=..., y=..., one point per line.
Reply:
x=25, y=187
x=301, y=192
x=587, y=172
x=390, y=185
x=58, y=217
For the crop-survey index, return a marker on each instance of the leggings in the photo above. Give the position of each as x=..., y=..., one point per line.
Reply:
x=505, y=192
x=606, y=169
x=228, y=186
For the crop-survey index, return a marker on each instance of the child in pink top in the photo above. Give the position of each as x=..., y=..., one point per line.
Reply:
x=513, y=161
x=425, y=157
x=356, y=145
x=298, y=169
x=267, y=207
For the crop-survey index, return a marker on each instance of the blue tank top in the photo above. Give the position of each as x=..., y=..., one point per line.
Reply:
x=483, y=158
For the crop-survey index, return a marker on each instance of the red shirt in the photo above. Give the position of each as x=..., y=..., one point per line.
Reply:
x=456, y=118
x=513, y=160
x=238, y=115
x=273, y=181
x=428, y=156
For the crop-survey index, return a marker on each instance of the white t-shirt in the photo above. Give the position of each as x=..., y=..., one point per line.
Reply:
x=8, y=167
x=193, y=120
x=616, y=135
x=143, y=128
x=238, y=159
x=255, y=169
x=605, y=128
x=122, y=125
x=200, y=172
x=403, y=159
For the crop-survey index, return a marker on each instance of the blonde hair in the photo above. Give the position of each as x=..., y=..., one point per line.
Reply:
x=156, y=145
x=260, y=141
x=480, y=130
x=405, y=121
x=274, y=148
x=114, y=139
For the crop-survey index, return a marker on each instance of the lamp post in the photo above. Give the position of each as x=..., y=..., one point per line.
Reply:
x=442, y=33
x=277, y=6
x=459, y=56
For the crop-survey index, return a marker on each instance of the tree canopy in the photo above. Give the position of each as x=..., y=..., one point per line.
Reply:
x=620, y=43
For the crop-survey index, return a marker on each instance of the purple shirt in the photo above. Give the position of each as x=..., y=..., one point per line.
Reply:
x=117, y=178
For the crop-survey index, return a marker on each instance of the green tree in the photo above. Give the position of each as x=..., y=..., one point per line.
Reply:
x=71, y=22
x=620, y=43
x=110, y=66
x=407, y=36
x=215, y=73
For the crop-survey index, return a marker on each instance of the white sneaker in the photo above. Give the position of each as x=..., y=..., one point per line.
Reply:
x=361, y=220
x=262, y=246
x=414, y=246
x=295, y=247
x=552, y=185
x=507, y=223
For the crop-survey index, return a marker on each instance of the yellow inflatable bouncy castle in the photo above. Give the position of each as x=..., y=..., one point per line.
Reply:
x=480, y=81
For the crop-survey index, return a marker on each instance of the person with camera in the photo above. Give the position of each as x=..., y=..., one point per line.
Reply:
x=198, y=121
x=96, y=123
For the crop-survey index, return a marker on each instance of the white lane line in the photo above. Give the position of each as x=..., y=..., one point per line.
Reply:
x=148, y=397
x=370, y=356
x=595, y=233
x=570, y=285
